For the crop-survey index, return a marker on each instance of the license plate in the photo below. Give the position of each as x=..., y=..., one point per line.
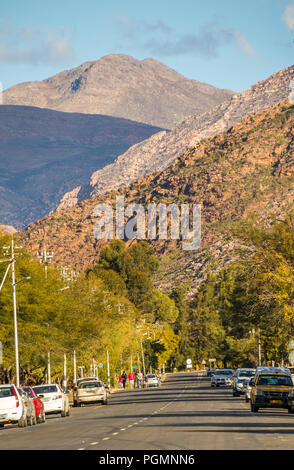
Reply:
x=276, y=401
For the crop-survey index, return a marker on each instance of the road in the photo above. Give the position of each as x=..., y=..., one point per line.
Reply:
x=185, y=413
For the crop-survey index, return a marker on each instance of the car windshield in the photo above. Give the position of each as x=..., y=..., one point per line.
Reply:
x=6, y=392
x=45, y=389
x=151, y=376
x=91, y=385
x=273, y=379
x=246, y=373
x=224, y=372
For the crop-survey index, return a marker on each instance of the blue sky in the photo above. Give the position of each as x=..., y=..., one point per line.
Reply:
x=229, y=44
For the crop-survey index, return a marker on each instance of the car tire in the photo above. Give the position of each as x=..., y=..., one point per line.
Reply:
x=68, y=411
x=63, y=413
x=2, y=425
x=291, y=410
x=247, y=399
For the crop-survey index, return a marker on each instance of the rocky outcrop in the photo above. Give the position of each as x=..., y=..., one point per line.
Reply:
x=247, y=169
x=160, y=150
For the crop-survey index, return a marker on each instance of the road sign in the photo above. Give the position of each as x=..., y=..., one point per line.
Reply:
x=203, y=362
x=100, y=366
x=134, y=367
x=188, y=361
x=211, y=360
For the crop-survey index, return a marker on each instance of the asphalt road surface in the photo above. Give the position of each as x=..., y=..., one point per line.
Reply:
x=185, y=413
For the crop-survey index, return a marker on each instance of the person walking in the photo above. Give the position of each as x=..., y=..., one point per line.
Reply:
x=124, y=379
x=131, y=378
x=140, y=379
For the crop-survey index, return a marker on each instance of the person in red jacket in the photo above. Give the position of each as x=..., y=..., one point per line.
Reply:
x=131, y=378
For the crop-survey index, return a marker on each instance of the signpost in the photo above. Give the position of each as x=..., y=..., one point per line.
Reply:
x=188, y=364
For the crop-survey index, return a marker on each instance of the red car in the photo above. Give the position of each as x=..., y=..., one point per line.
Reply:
x=39, y=405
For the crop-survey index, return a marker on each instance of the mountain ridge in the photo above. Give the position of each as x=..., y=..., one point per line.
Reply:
x=121, y=86
x=160, y=150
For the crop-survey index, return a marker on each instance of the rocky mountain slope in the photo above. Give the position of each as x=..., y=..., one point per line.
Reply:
x=45, y=153
x=246, y=169
x=160, y=150
x=119, y=85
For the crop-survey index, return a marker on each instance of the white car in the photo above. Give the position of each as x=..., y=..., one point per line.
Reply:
x=89, y=391
x=55, y=401
x=222, y=378
x=12, y=408
x=152, y=380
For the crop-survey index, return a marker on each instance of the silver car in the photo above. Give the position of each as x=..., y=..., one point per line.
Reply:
x=222, y=378
x=240, y=380
x=90, y=391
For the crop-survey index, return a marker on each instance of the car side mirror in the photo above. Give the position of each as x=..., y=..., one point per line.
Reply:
x=41, y=396
x=251, y=382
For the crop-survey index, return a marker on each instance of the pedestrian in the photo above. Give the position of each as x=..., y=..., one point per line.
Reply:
x=140, y=379
x=131, y=378
x=124, y=379
x=120, y=381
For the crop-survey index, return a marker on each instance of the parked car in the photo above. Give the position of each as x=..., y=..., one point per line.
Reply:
x=12, y=408
x=89, y=391
x=152, y=380
x=241, y=378
x=222, y=378
x=29, y=404
x=55, y=401
x=272, y=389
x=38, y=403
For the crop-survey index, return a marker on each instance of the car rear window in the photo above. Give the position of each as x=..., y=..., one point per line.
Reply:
x=45, y=389
x=91, y=385
x=6, y=392
x=28, y=391
x=151, y=376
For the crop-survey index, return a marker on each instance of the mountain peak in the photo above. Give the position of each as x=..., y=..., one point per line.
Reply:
x=121, y=86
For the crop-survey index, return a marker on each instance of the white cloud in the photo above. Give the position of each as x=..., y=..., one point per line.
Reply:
x=27, y=46
x=288, y=16
x=161, y=40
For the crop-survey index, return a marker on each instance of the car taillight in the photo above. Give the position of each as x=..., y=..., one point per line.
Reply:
x=16, y=397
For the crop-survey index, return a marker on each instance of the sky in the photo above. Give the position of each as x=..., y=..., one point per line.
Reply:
x=227, y=43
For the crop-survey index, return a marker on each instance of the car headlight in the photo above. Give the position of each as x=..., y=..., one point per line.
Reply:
x=291, y=393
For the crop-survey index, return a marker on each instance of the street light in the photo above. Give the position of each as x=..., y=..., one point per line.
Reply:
x=14, y=284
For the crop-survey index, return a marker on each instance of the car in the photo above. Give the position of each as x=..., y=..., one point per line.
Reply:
x=222, y=377
x=38, y=403
x=241, y=378
x=272, y=389
x=12, y=407
x=55, y=401
x=152, y=380
x=89, y=391
x=30, y=407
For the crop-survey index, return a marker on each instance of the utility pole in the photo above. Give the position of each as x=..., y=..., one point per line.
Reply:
x=259, y=348
x=64, y=372
x=45, y=257
x=48, y=368
x=74, y=367
x=108, y=368
x=143, y=359
x=11, y=261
